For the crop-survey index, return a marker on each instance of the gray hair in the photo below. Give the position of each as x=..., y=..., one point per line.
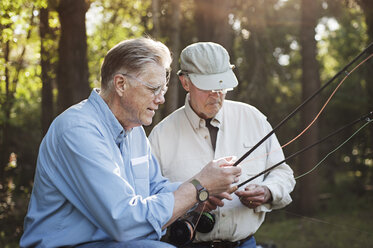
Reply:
x=132, y=56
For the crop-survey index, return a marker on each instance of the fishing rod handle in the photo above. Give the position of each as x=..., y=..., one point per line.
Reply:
x=233, y=189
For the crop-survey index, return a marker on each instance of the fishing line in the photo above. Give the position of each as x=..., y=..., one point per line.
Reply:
x=199, y=217
x=365, y=117
x=318, y=114
x=311, y=219
x=338, y=227
x=326, y=103
x=344, y=142
x=326, y=222
x=368, y=49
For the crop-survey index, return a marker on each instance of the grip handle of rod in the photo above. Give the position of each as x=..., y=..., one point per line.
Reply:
x=232, y=189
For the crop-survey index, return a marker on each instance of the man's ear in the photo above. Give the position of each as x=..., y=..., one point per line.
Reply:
x=184, y=82
x=120, y=83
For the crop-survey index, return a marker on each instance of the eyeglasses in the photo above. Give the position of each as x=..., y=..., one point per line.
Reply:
x=156, y=90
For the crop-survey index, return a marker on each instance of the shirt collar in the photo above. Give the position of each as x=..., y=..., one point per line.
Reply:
x=107, y=116
x=196, y=121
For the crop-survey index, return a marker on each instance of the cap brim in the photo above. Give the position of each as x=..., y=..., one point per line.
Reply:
x=217, y=81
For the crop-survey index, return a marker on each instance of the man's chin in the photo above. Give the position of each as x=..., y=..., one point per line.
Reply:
x=147, y=122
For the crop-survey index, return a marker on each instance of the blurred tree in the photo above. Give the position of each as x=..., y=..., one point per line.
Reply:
x=156, y=31
x=111, y=21
x=367, y=7
x=13, y=58
x=72, y=73
x=262, y=37
x=344, y=23
x=19, y=115
x=212, y=19
x=310, y=83
x=173, y=96
x=256, y=60
x=47, y=53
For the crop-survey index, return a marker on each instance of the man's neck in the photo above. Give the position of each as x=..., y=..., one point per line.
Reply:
x=113, y=102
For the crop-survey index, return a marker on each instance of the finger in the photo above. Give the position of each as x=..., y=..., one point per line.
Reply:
x=224, y=162
x=255, y=204
x=201, y=207
x=254, y=190
x=231, y=159
x=246, y=202
x=224, y=195
x=251, y=187
x=231, y=190
x=209, y=207
x=236, y=179
x=215, y=201
x=234, y=171
x=255, y=201
x=250, y=203
x=245, y=193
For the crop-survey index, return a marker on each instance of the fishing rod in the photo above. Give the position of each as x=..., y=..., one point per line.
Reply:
x=367, y=117
x=368, y=50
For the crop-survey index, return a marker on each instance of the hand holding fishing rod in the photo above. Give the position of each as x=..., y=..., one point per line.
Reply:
x=254, y=195
x=367, y=117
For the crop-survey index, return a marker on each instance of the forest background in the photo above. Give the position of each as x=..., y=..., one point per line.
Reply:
x=284, y=51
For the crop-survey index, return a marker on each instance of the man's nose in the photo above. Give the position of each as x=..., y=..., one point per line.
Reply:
x=159, y=99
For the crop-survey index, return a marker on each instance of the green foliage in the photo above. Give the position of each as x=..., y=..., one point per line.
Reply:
x=112, y=22
x=337, y=48
x=266, y=53
x=20, y=87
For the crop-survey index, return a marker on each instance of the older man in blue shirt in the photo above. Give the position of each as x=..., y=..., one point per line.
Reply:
x=97, y=183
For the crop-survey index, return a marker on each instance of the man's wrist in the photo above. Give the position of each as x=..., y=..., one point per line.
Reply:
x=270, y=199
x=202, y=193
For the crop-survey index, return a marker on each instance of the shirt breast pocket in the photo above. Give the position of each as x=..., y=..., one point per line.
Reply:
x=140, y=170
x=140, y=167
x=256, y=161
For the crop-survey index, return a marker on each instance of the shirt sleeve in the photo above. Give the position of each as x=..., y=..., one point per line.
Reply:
x=88, y=176
x=160, y=184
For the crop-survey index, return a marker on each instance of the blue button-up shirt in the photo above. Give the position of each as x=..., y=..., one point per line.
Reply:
x=95, y=181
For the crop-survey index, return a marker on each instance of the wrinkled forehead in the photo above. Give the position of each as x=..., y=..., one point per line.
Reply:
x=154, y=72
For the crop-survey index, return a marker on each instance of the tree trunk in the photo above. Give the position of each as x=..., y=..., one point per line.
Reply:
x=6, y=108
x=310, y=83
x=173, y=96
x=10, y=89
x=155, y=17
x=72, y=72
x=211, y=18
x=45, y=54
x=256, y=49
x=156, y=32
x=367, y=6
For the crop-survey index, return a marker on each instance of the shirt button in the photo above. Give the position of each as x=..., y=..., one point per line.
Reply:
x=206, y=137
x=223, y=215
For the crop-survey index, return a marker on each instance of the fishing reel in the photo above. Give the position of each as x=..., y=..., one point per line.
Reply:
x=182, y=231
